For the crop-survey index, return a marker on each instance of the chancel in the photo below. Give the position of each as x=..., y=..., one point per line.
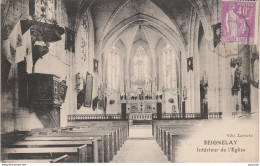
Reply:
x=93, y=80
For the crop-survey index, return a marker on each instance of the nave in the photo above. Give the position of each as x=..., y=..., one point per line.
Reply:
x=140, y=147
x=99, y=142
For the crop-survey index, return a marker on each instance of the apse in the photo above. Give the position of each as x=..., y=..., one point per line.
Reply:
x=140, y=63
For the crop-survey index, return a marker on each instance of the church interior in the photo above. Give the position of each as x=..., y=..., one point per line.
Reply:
x=83, y=80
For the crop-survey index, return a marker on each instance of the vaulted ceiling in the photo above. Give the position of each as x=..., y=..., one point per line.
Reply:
x=115, y=20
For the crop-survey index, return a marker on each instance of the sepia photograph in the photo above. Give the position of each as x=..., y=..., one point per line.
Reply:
x=129, y=81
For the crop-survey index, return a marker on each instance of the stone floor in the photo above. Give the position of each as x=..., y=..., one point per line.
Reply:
x=140, y=147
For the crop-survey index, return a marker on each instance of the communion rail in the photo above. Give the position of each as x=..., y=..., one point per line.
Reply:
x=85, y=117
x=178, y=116
x=145, y=116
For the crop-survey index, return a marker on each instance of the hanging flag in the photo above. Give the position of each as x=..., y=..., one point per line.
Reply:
x=6, y=51
x=27, y=50
x=16, y=43
x=70, y=39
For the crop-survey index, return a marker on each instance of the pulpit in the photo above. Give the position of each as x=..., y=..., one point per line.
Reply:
x=46, y=93
x=46, y=89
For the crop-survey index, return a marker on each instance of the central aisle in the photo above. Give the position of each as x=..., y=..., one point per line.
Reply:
x=140, y=147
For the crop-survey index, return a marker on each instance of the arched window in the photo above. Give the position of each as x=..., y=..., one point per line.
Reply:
x=113, y=66
x=141, y=66
x=82, y=58
x=168, y=66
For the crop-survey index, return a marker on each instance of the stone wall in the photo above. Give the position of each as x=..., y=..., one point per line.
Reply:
x=14, y=117
x=57, y=61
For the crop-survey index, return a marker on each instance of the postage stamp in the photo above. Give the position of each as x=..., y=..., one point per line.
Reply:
x=238, y=22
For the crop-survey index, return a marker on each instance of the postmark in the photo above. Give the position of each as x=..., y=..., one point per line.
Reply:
x=238, y=22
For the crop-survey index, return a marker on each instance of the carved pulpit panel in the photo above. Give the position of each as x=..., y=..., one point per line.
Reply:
x=46, y=89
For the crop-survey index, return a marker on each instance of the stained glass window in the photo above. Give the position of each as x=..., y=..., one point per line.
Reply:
x=113, y=66
x=168, y=67
x=141, y=66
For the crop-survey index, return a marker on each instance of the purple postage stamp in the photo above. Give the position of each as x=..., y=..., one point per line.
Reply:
x=238, y=22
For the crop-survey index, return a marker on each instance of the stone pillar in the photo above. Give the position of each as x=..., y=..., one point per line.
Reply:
x=254, y=91
x=222, y=85
x=213, y=83
x=196, y=84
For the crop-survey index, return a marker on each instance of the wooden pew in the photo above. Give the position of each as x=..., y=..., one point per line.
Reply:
x=175, y=130
x=92, y=146
x=174, y=145
x=62, y=159
x=111, y=147
x=180, y=122
x=107, y=138
x=160, y=135
x=117, y=135
x=168, y=144
x=75, y=154
x=123, y=130
x=119, y=123
x=99, y=139
x=114, y=137
x=168, y=136
x=110, y=138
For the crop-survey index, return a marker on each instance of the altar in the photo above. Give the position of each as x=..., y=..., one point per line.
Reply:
x=143, y=106
x=140, y=111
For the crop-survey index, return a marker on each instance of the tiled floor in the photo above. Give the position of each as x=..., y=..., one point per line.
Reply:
x=140, y=131
x=140, y=147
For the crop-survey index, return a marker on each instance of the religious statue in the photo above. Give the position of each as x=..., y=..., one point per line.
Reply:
x=217, y=33
x=185, y=93
x=254, y=69
x=80, y=98
x=245, y=94
x=95, y=103
x=173, y=108
x=95, y=64
x=236, y=85
x=190, y=63
x=236, y=61
x=203, y=95
x=78, y=81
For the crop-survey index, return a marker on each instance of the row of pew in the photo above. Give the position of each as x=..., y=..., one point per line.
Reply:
x=91, y=143
x=169, y=136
